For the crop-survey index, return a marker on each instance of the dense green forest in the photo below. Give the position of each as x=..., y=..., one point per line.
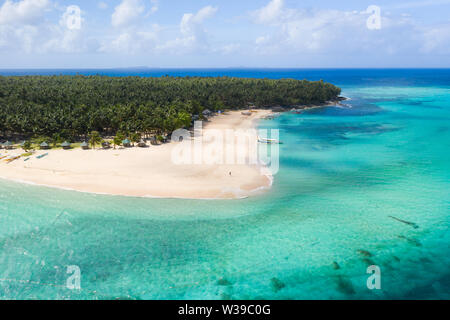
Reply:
x=73, y=106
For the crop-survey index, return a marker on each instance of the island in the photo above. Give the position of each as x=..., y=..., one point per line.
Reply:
x=111, y=135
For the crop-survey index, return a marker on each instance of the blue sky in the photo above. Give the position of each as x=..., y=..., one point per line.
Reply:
x=232, y=33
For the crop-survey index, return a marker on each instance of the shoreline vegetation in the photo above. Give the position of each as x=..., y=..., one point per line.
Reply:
x=66, y=116
x=70, y=108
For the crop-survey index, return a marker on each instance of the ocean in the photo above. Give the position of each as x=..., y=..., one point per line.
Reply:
x=362, y=184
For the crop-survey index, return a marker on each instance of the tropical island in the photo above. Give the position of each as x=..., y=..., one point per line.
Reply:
x=92, y=124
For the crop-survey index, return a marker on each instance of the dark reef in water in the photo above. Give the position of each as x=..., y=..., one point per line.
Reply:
x=344, y=285
x=412, y=224
x=223, y=282
x=365, y=253
x=276, y=284
x=411, y=241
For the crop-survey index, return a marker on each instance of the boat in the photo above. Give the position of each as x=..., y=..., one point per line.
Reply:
x=12, y=159
x=269, y=141
x=42, y=155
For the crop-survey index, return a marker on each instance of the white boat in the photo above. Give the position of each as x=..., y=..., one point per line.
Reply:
x=270, y=141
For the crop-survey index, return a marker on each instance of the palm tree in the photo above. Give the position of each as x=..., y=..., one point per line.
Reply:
x=135, y=138
x=26, y=146
x=94, y=138
x=117, y=141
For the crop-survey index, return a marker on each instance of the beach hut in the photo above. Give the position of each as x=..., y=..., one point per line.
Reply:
x=84, y=145
x=66, y=145
x=44, y=146
x=153, y=140
x=8, y=145
x=142, y=144
x=126, y=143
x=106, y=145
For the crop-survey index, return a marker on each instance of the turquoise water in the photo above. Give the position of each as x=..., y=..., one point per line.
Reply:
x=345, y=173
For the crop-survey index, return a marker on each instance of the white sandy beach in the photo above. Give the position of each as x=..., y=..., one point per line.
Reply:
x=143, y=172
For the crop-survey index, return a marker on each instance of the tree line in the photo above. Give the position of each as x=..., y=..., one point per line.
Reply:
x=74, y=106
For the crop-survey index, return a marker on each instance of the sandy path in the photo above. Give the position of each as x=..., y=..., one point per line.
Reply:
x=143, y=172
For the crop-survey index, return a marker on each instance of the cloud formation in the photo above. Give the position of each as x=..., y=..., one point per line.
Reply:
x=270, y=12
x=274, y=33
x=340, y=32
x=126, y=12
x=194, y=36
x=22, y=12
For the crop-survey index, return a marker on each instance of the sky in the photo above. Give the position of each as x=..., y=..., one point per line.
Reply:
x=225, y=34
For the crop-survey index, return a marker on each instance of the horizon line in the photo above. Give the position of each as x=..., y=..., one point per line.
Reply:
x=237, y=67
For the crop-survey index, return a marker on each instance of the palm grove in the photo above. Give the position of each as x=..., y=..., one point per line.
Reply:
x=81, y=107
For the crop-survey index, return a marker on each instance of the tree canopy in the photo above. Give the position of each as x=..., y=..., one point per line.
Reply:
x=73, y=106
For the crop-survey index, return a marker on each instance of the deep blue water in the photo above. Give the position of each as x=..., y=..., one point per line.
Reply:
x=379, y=77
x=348, y=178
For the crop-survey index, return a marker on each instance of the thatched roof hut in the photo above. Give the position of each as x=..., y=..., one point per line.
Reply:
x=142, y=144
x=153, y=140
x=8, y=145
x=126, y=143
x=44, y=146
x=66, y=145
x=84, y=145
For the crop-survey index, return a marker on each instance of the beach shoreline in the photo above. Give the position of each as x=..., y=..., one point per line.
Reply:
x=144, y=172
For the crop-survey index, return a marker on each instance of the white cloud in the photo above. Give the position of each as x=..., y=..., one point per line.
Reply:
x=102, y=5
x=190, y=22
x=127, y=12
x=68, y=35
x=154, y=7
x=22, y=12
x=134, y=35
x=193, y=34
x=335, y=32
x=436, y=39
x=133, y=41
x=418, y=4
x=270, y=12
